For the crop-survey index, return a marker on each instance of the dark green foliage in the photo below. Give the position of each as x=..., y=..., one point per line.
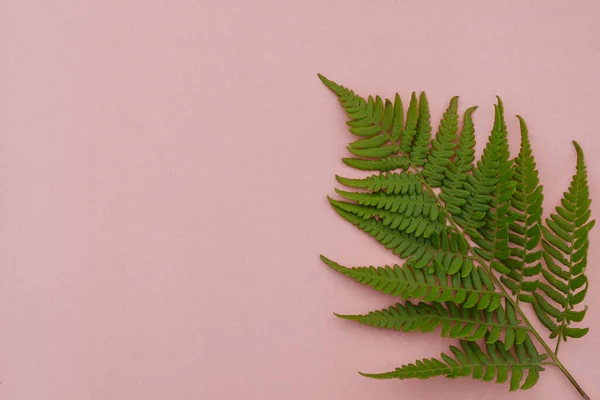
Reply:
x=453, y=193
x=420, y=146
x=442, y=148
x=524, y=233
x=565, y=246
x=447, y=249
x=378, y=124
x=417, y=224
x=474, y=250
x=475, y=290
x=492, y=363
x=410, y=129
x=457, y=321
x=404, y=182
x=490, y=193
x=383, y=164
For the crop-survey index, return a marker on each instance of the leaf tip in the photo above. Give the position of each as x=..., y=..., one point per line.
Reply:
x=578, y=149
x=327, y=260
x=523, y=126
x=333, y=265
x=343, y=181
x=469, y=111
x=334, y=87
x=374, y=376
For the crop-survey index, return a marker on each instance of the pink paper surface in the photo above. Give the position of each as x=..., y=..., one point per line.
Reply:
x=164, y=167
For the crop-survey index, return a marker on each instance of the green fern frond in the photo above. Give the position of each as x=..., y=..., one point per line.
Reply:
x=453, y=193
x=383, y=164
x=417, y=225
x=379, y=123
x=457, y=321
x=487, y=213
x=401, y=183
x=410, y=129
x=443, y=145
x=414, y=205
x=475, y=290
x=420, y=146
x=525, y=232
x=398, y=121
x=565, y=246
x=489, y=364
x=495, y=204
x=447, y=249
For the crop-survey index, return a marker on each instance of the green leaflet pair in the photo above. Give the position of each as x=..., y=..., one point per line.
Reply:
x=475, y=250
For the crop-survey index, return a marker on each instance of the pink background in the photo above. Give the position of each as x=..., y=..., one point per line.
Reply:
x=164, y=166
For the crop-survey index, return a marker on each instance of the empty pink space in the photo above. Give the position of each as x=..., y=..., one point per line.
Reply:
x=164, y=167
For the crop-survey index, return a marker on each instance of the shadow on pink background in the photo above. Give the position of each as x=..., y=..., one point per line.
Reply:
x=164, y=167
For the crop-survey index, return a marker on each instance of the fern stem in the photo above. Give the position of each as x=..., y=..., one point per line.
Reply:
x=498, y=283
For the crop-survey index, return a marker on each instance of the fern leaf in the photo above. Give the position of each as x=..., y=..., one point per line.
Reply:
x=453, y=193
x=487, y=213
x=565, y=244
x=494, y=241
x=525, y=232
x=416, y=224
x=498, y=205
x=450, y=250
x=379, y=124
x=398, y=120
x=443, y=145
x=415, y=205
x=489, y=364
x=383, y=164
x=396, y=183
x=457, y=321
x=420, y=146
x=410, y=129
x=475, y=290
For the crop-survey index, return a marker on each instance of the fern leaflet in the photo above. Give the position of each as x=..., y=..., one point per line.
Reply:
x=525, y=233
x=493, y=363
x=565, y=246
x=475, y=290
x=457, y=321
